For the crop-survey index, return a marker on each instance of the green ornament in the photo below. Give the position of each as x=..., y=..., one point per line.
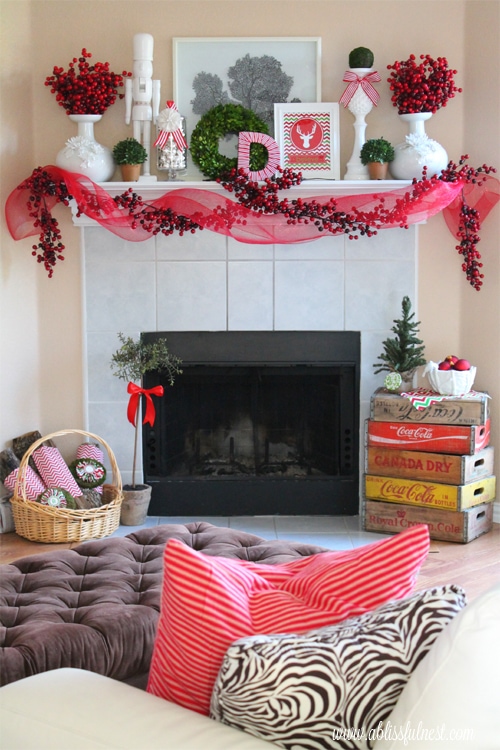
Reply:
x=57, y=497
x=88, y=472
x=393, y=381
x=218, y=122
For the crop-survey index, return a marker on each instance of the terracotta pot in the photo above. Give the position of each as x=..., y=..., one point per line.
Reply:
x=135, y=505
x=377, y=170
x=130, y=172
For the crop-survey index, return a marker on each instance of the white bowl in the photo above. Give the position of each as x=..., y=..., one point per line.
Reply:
x=449, y=382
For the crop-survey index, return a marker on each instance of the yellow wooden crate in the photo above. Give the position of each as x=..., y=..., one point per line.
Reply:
x=429, y=494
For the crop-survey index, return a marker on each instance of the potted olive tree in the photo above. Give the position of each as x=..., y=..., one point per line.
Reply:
x=130, y=363
x=130, y=155
x=376, y=155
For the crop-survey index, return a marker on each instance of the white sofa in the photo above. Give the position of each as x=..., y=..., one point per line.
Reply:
x=451, y=701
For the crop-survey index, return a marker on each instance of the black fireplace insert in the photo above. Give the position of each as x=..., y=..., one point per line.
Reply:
x=259, y=423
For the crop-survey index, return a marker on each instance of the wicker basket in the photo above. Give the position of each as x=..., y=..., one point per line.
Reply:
x=41, y=523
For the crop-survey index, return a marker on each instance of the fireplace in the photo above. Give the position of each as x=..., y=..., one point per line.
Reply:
x=209, y=283
x=260, y=422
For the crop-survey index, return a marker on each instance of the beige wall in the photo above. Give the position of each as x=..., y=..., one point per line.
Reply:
x=40, y=351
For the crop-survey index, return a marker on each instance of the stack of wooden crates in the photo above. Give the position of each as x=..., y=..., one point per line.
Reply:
x=432, y=466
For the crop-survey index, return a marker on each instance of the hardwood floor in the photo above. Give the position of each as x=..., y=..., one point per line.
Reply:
x=474, y=566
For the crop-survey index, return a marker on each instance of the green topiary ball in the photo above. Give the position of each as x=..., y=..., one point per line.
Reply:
x=361, y=57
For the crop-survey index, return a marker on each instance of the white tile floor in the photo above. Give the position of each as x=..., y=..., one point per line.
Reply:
x=332, y=532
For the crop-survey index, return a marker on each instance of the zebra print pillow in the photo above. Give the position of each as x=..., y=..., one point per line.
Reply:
x=332, y=687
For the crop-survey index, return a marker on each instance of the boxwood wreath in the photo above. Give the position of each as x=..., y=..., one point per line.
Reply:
x=222, y=120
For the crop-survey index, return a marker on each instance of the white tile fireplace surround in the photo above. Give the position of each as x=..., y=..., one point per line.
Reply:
x=207, y=282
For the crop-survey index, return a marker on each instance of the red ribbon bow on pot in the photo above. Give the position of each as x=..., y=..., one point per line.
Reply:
x=133, y=404
x=366, y=84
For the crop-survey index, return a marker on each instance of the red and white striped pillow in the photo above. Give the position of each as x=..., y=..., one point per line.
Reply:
x=210, y=602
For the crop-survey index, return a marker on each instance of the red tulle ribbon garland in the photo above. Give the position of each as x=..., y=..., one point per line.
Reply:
x=256, y=212
x=133, y=403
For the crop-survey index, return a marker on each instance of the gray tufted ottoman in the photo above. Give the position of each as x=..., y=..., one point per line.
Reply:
x=96, y=606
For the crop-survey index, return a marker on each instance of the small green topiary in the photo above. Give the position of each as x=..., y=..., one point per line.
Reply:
x=129, y=151
x=361, y=57
x=376, y=149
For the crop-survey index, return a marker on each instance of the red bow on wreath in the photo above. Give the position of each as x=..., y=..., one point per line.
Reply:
x=133, y=404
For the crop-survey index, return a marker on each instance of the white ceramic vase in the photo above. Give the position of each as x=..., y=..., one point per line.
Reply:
x=83, y=154
x=417, y=151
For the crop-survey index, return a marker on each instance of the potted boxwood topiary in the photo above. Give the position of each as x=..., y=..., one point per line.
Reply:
x=376, y=154
x=130, y=363
x=130, y=154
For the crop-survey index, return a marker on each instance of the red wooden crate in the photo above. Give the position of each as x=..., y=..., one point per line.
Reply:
x=457, y=439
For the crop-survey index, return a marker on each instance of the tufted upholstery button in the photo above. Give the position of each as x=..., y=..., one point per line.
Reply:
x=96, y=606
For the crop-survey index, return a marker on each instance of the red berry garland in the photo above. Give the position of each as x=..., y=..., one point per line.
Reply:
x=41, y=185
x=469, y=226
x=421, y=87
x=90, y=91
x=262, y=198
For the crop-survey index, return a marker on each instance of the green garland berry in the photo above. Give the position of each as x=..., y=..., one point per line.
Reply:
x=215, y=124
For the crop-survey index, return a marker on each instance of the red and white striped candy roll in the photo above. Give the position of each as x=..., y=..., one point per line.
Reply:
x=54, y=470
x=33, y=483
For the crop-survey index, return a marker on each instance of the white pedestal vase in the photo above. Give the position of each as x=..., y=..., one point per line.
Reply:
x=417, y=151
x=359, y=105
x=82, y=153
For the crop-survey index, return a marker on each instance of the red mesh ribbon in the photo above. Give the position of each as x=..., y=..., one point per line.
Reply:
x=481, y=197
x=221, y=214
x=135, y=393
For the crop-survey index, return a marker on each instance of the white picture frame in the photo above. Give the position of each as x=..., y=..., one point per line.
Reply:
x=299, y=58
x=308, y=136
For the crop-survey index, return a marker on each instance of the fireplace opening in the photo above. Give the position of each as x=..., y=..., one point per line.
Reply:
x=259, y=423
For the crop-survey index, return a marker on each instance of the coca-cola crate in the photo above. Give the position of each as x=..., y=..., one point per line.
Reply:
x=449, y=526
x=471, y=409
x=437, y=467
x=429, y=494
x=456, y=439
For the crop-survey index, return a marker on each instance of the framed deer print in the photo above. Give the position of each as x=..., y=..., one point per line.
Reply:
x=308, y=138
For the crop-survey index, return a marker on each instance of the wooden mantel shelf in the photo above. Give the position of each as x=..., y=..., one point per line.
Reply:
x=152, y=189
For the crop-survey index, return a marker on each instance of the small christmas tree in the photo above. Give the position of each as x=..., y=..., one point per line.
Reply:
x=404, y=353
